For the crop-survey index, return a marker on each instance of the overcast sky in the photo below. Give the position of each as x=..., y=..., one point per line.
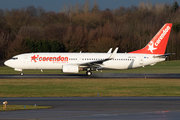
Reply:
x=56, y=5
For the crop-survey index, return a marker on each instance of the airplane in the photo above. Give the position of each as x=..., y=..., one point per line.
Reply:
x=152, y=53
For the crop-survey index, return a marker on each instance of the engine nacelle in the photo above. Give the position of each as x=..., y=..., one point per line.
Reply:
x=70, y=69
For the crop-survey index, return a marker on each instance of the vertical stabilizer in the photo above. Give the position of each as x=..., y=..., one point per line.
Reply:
x=158, y=43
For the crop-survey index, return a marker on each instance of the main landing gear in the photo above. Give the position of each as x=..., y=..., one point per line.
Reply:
x=88, y=73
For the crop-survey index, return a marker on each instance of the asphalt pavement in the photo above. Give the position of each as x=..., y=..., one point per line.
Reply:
x=98, y=108
x=103, y=75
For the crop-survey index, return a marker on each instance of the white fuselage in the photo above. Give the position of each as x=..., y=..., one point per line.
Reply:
x=57, y=60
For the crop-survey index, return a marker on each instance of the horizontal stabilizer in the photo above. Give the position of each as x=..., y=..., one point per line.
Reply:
x=165, y=55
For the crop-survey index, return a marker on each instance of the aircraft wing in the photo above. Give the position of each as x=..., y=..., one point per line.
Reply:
x=99, y=62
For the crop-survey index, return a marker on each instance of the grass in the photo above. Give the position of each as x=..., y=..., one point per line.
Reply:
x=91, y=87
x=88, y=87
x=160, y=68
x=22, y=107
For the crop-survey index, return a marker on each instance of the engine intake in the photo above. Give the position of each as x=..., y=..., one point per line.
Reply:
x=70, y=69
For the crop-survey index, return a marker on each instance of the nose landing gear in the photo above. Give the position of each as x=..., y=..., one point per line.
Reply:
x=22, y=73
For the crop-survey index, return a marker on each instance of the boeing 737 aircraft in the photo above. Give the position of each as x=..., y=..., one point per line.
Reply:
x=152, y=53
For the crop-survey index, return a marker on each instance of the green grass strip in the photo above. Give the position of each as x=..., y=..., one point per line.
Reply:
x=22, y=107
x=88, y=87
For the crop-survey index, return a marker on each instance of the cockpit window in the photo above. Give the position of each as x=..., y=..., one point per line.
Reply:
x=14, y=58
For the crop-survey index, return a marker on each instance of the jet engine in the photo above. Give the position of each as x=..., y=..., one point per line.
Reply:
x=70, y=69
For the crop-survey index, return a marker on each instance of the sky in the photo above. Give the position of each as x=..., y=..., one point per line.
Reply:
x=57, y=5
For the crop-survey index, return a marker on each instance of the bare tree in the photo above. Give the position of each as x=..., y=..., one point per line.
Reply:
x=95, y=8
x=86, y=6
x=4, y=38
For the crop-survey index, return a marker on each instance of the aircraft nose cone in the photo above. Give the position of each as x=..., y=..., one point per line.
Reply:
x=7, y=63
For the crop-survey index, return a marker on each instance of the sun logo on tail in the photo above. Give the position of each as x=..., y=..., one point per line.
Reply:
x=151, y=47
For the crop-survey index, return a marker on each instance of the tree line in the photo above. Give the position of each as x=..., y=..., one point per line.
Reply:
x=84, y=28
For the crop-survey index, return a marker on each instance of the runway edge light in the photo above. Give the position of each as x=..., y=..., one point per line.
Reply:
x=4, y=104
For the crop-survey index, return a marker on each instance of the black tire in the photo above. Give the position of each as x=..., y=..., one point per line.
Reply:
x=88, y=73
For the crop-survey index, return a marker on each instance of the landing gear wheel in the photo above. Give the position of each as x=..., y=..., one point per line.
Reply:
x=22, y=74
x=88, y=73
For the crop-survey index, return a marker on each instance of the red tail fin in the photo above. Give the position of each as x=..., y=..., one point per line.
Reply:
x=159, y=42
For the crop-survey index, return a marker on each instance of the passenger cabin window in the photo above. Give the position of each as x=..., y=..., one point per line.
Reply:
x=71, y=59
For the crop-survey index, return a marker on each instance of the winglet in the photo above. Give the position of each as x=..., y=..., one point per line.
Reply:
x=113, y=54
x=110, y=50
